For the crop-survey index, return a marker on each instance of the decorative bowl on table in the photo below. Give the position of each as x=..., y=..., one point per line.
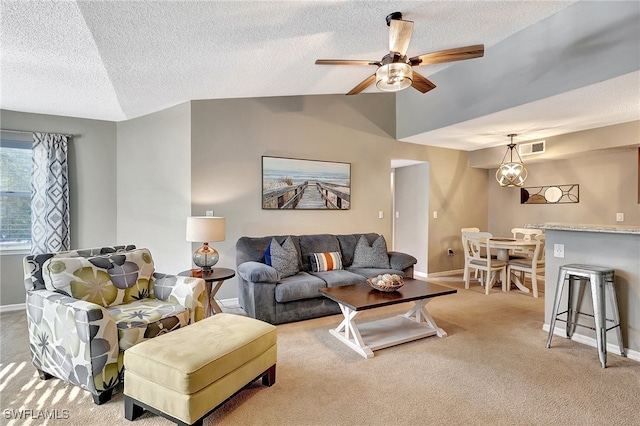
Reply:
x=386, y=282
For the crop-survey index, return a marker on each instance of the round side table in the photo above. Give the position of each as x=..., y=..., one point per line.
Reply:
x=219, y=275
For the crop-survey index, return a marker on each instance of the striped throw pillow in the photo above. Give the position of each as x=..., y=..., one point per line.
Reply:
x=321, y=262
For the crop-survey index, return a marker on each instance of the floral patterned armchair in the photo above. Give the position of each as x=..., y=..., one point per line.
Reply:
x=86, y=307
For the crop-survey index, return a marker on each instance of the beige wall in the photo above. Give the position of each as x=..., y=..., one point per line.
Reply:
x=608, y=182
x=608, y=185
x=457, y=192
x=206, y=155
x=229, y=137
x=154, y=185
x=570, y=145
x=92, y=187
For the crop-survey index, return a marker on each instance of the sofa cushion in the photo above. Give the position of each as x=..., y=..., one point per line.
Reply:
x=141, y=320
x=257, y=272
x=373, y=272
x=299, y=286
x=320, y=243
x=321, y=262
x=339, y=278
x=284, y=258
x=106, y=280
x=371, y=256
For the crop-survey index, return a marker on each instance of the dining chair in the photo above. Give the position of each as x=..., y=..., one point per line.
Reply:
x=467, y=254
x=524, y=234
x=480, y=259
x=530, y=265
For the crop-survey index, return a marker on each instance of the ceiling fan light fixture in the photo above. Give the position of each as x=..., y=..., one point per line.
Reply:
x=511, y=173
x=394, y=76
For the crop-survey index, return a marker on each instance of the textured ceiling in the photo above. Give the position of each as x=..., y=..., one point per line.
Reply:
x=117, y=60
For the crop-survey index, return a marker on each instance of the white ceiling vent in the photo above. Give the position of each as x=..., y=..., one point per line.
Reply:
x=531, y=148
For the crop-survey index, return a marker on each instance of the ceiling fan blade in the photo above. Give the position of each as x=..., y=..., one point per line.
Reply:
x=450, y=55
x=421, y=83
x=346, y=62
x=400, y=35
x=363, y=85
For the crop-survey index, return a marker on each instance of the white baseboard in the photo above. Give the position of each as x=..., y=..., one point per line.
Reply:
x=443, y=273
x=453, y=272
x=13, y=308
x=591, y=341
x=229, y=303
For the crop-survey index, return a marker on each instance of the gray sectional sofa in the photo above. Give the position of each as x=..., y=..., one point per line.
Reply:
x=268, y=295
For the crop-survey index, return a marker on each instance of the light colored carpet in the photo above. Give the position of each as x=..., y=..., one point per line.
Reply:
x=492, y=369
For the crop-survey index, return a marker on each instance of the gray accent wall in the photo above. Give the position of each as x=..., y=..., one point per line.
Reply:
x=154, y=185
x=618, y=251
x=559, y=54
x=92, y=187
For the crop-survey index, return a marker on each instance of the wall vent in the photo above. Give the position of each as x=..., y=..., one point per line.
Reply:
x=531, y=148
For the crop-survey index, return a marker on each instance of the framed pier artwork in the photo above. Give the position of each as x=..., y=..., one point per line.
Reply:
x=289, y=183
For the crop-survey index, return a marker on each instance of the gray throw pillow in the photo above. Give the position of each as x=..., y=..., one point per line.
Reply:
x=284, y=258
x=371, y=256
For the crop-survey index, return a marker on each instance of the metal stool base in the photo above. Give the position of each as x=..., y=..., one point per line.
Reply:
x=598, y=277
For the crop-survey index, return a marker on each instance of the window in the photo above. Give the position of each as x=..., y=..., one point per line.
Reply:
x=15, y=193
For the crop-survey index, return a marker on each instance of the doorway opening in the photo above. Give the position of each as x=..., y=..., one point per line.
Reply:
x=410, y=199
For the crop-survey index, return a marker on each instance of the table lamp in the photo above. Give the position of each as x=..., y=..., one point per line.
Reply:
x=204, y=229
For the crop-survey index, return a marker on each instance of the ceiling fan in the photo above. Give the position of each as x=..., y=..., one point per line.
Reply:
x=395, y=70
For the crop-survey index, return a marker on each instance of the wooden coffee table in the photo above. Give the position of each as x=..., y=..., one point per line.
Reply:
x=371, y=336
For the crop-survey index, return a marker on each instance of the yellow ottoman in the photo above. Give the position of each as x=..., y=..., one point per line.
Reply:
x=186, y=374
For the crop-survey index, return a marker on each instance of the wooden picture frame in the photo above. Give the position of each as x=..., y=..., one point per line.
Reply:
x=291, y=183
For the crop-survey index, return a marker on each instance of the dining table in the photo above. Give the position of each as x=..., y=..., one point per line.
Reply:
x=503, y=245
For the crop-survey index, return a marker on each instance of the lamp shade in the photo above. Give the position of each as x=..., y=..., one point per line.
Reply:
x=394, y=76
x=511, y=173
x=204, y=229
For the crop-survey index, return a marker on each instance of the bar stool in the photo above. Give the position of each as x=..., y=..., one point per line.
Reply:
x=598, y=277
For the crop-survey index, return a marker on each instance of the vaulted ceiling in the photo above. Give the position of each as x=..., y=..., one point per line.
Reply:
x=550, y=67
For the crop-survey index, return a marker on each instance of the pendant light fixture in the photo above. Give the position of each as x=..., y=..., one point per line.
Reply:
x=511, y=173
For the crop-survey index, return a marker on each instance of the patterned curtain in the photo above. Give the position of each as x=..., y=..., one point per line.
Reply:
x=49, y=194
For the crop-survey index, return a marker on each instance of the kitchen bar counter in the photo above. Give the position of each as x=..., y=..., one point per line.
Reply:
x=615, y=229
x=615, y=246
